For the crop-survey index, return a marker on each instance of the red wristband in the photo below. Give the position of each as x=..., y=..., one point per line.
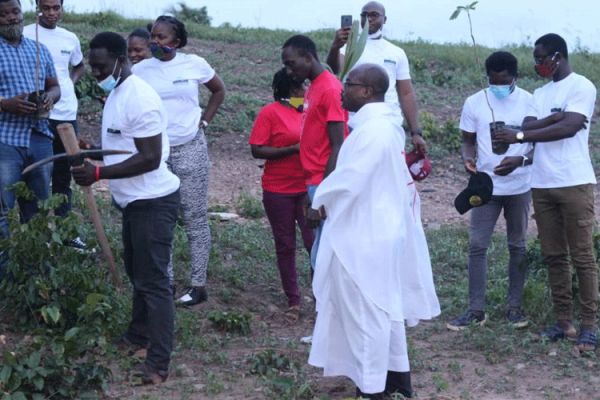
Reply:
x=97, y=173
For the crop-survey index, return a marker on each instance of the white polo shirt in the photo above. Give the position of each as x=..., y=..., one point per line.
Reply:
x=65, y=50
x=476, y=117
x=565, y=162
x=134, y=110
x=176, y=82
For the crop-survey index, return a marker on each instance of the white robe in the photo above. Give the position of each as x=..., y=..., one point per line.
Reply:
x=373, y=232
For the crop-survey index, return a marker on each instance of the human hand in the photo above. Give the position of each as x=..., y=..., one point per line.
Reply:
x=314, y=217
x=508, y=165
x=84, y=174
x=419, y=143
x=47, y=101
x=505, y=135
x=341, y=37
x=19, y=105
x=470, y=165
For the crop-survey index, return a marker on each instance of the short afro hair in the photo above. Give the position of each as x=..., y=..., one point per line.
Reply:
x=303, y=44
x=553, y=43
x=178, y=28
x=501, y=61
x=114, y=43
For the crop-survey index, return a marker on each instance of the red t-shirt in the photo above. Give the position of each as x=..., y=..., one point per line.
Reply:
x=279, y=126
x=322, y=104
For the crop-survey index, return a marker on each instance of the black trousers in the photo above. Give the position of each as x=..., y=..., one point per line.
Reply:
x=61, y=171
x=147, y=236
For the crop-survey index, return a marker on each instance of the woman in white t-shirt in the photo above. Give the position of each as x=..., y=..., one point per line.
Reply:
x=176, y=77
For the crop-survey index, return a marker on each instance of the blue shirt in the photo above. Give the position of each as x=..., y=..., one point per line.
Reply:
x=17, y=76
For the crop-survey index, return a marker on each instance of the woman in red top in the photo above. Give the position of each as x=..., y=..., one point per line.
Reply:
x=275, y=137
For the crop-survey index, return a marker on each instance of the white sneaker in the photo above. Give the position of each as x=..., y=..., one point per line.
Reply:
x=306, y=339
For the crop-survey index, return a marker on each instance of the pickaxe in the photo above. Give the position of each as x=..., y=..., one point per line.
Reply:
x=76, y=157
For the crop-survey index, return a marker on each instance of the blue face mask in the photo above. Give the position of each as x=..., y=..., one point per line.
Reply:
x=502, y=91
x=109, y=83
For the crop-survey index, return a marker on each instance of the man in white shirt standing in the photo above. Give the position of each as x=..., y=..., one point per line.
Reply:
x=145, y=191
x=511, y=175
x=68, y=61
x=562, y=181
x=392, y=58
x=373, y=270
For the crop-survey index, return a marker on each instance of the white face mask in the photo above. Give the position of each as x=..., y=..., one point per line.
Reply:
x=109, y=83
x=376, y=35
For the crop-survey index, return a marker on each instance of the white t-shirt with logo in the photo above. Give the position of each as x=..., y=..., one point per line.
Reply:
x=476, y=117
x=390, y=57
x=134, y=110
x=65, y=50
x=176, y=82
x=565, y=162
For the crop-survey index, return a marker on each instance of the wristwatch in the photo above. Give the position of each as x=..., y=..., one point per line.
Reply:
x=204, y=124
x=525, y=159
x=520, y=136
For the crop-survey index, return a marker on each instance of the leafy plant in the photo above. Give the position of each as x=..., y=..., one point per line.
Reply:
x=63, y=301
x=249, y=206
x=467, y=9
x=354, y=48
x=231, y=321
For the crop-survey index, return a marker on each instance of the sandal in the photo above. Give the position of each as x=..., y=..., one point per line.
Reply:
x=587, y=340
x=292, y=315
x=556, y=332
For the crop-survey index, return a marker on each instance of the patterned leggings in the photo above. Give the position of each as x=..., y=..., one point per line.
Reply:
x=190, y=163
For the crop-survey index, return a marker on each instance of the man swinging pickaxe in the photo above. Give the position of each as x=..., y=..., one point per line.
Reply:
x=76, y=158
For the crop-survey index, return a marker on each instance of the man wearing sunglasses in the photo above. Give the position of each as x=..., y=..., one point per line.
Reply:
x=562, y=181
x=392, y=58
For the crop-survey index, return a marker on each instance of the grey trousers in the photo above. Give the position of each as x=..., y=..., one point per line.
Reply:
x=190, y=163
x=483, y=221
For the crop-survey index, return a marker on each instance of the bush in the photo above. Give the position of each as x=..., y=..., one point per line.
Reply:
x=231, y=321
x=189, y=14
x=62, y=300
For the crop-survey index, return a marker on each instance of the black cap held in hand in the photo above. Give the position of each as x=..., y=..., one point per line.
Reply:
x=478, y=192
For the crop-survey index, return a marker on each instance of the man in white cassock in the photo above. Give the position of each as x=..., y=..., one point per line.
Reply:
x=373, y=270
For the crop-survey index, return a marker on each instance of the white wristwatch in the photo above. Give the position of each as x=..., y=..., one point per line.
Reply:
x=525, y=159
x=520, y=136
x=204, y=124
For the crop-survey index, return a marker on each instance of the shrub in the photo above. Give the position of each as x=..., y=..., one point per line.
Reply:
x=190, y=14
x=62, y=300
x=231, y=321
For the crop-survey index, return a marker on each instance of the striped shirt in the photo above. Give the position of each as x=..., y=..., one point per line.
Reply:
x=17, y=76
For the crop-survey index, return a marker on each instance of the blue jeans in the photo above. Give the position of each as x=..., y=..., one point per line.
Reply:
x=311, y=189
x=12, y=162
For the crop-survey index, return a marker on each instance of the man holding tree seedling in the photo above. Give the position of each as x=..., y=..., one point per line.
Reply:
x=511, y=174
x=389, y=56
x=562, y=181
x=26, y=93
x=66, y=52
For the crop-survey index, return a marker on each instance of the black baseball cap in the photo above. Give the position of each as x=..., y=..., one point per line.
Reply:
x=478, y=192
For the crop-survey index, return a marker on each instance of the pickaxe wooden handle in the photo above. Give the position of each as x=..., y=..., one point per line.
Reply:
x=67, y=135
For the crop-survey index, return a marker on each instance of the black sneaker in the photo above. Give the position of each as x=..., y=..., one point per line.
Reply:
x=467, y=319
x=516, y=318
x=193, y=296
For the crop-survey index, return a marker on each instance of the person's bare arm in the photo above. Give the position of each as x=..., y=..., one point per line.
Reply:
x=217, y=95
x=566, y=127
x=77, y=72
x=468, y=151
x=335, y=59
x=408, y=104
x=335, y=132
x=273, y=153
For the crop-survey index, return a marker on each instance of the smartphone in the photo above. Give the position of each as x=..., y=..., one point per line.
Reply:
x=346, y=21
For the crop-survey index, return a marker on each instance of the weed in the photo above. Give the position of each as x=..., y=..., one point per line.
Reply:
x=231, y=321
x=249, y=206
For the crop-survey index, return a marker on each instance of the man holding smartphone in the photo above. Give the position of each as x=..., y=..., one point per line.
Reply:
x=392, y=58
